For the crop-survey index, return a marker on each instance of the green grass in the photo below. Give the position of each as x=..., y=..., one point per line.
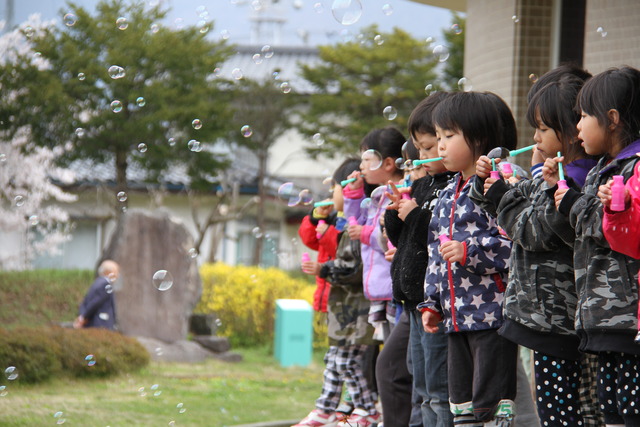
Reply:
x=213, y=394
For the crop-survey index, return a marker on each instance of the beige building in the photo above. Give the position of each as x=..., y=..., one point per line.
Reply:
x=510, y=42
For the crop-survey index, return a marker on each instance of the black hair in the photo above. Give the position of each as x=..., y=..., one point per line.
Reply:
x=555, y=75
x=420, y=120
x=614, y=89
x=484, y=119
x=387, y=141
x=409, y=150
x=555, y=103
x=345, y=169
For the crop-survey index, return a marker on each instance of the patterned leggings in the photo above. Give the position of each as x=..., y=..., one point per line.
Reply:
x=344, y=364
x=619, y=387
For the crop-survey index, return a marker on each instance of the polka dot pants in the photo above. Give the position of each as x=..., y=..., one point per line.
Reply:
x=619, y=387
x=557, y=390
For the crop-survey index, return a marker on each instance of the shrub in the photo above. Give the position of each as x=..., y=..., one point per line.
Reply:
x=39, y=353
x=243, y=298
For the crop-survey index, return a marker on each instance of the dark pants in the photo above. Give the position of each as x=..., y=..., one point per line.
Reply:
x=394, y=380
x=482, y=371
x=619, y=388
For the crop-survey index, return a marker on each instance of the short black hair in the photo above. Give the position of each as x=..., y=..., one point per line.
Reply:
x=614, y=89
x=345, y=169
x=555, y=75
x=409, y=150
x=387, y=141
x=484, y=119
x=420, y=120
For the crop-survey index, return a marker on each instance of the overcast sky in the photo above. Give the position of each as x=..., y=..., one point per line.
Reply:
x=311, y=18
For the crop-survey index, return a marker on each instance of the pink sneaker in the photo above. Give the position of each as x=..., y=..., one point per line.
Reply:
x=361, y=418
x=317, y=418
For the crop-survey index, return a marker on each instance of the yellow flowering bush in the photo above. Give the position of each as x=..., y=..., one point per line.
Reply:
x=243, y=299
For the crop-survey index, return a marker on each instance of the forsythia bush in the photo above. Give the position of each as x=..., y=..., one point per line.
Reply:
x=243, y=299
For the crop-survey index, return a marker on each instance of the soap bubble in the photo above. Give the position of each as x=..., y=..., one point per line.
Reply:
x=257, y=232
x=162, y=280
x=59, y=417
x=346, y=12
x=3, y=391
x=193, y=253
x=11, y=373
x=288, y=193
x=19, y=200
x=428, y=89
x=81, y=76
x=246, y=131
x=3, y=157
x=305, y=197
x=285, y=87
x=33, y=220
x=156, y=390
x=181, y=409
x=464, y=84
x=194, y=145
x=378, y=39
x=430, y=40
x=389, y=112
x=116, y=72
x=371, y=159
x=172, y=142
x=158, y=351
x=155, y=28
x=318, y=139
x=456, y=29
x=257, y=58
x=203, y=26
x=318, y=7
x=378, y=196
x=267, y=51
x=142, y=147
x=365, y=204
x=515, y=19
x=140, y=101
x=602, y=32
x=237, y=74
x=441, y=53
x=387, y=9
x=122, y=23
x=142, y=392
x=533, y=77
x=116, y=106
x=197, y=124
x=121, y=196
x=80, y=132
x=108, y=288
x=70, y=19
x=224, y=34
x=91, y=361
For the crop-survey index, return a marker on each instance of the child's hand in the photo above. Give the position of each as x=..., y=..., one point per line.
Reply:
x=321, y=228
x=358, y=183
x=430, y=321
x=323, y=211
x=536, y=157
x=395, y=196
x=452, y=251
x=355, y=231
x=484, y=166
x=311, y=267
x=550, y=170
x=406, y=206
x=559, y=195
x=488, y=183
x=388, y=255
x=604, y=194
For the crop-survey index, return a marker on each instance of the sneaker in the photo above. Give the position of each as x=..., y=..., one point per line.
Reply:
x=360, y=418
x=345, y=408
x=317, y=418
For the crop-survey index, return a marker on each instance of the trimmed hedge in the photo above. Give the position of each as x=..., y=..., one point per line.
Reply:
x=40, y=353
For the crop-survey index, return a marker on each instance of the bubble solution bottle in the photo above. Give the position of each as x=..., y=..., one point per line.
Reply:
x=321, y=222
x=617, y=194
x=306, y=257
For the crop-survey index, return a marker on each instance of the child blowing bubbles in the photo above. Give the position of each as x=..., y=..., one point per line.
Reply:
x=606, y=280
x=466, y=275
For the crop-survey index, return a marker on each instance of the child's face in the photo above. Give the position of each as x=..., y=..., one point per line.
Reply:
x=455, y=152
x=592, y=134
x=547, y=142
x=427, y=145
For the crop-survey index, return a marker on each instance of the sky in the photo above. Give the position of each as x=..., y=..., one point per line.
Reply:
x=305, y=20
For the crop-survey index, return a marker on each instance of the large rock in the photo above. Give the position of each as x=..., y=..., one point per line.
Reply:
x=144, y=243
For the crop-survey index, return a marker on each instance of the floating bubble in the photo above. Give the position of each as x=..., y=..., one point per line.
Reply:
x=389, y=112
x=378, y=196
x=318, y=139
x=441, y=53
x=298, y=4
x=346, y=12
x=116, y=106
x=142, y=392
x=3, y=157
x=162, y=280
x=218, y=322
x=108, y=288
x=430, y=40
x=267, y=51
x=156, y=390
x=90, y=360
x=11, y=373
x=224, y=34
x=142, y=147
x=121, y=196
x=371, y=159
x=122, y=23
x=257, y=58
x=34, y=220
x=3, y=391
x=81, y=76
x=318, y=7
x=29, y=32
x=515, y=19
x=203, y=26
x=365, y=204
x=59, y=417
x=602, y=32
x=181, y=409
x=287, y=193
x=257, y=232
x=197, y=124
x=428, y=89
x=464, y=84
x=172, y=142
x=158, y=351
x=457, y=30
x=387, y=9
x=193, y=253
x=285, y=87
x=116, y=72
x=80, y=132
x=217, y=72
x=533, y=77
x=70, y=19
x=246, y=131
x=305, y=197
x=194, y=145
x=141, y=102
x=378, y=39
x=237, y=74
x=155, y=28
x=19, y=200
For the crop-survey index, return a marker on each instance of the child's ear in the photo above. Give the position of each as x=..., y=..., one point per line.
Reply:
x=389, y=164
x=614, y=119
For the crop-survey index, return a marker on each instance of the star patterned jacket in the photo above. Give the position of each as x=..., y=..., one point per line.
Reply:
x=467, y=295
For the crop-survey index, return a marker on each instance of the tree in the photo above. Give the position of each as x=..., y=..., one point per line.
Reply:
x=122, y=88
x=453, y=69
x=355, y=83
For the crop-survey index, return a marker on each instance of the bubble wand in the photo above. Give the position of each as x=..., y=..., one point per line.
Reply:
x=325, y=203
x=494, y=171
x=562, y=183
x=501, y=152
x=422, y=162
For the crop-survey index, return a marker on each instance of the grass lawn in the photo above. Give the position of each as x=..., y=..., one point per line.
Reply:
x=212, y=393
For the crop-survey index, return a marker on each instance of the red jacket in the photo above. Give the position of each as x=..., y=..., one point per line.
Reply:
x=326, y=247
